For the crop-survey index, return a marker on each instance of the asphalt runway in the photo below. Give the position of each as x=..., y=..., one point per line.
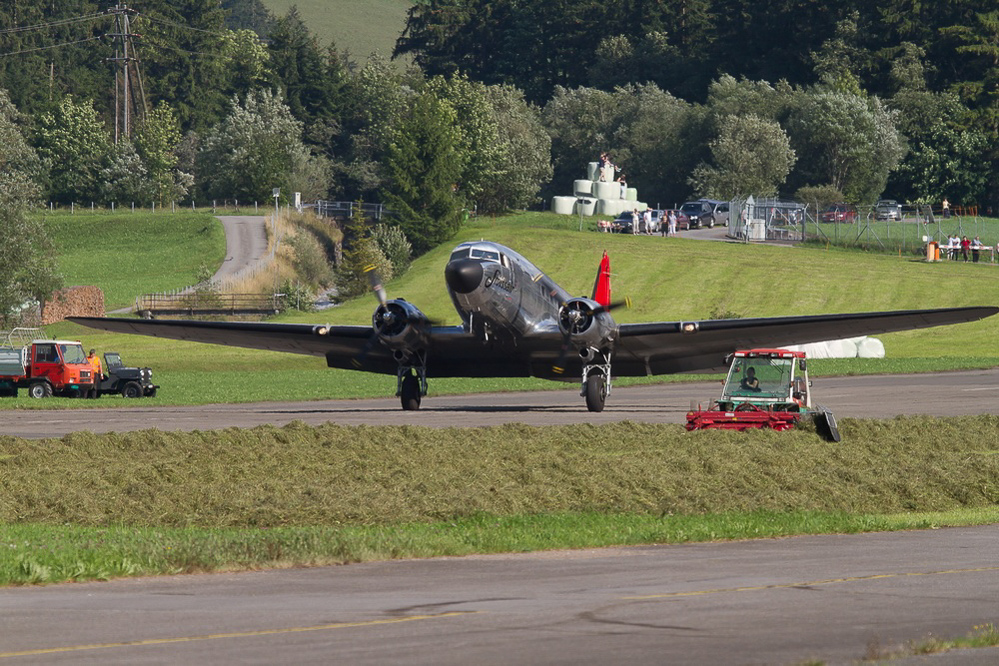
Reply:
x=881, y=396
x=834, y=599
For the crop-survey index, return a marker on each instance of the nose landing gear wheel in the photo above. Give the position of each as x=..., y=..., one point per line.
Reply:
x=410, y=393
x=596, y=392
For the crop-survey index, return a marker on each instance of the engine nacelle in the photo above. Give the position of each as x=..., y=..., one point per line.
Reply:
x=400, y=325
x=586, y=322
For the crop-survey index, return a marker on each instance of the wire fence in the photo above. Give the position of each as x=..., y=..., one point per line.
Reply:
x=903, y=229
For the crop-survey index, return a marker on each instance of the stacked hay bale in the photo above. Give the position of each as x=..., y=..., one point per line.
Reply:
x=73, y=302
x=598, y=194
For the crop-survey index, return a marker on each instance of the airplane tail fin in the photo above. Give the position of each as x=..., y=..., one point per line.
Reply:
x=601, y=286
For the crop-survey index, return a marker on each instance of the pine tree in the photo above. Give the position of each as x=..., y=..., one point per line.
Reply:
x=423, y=169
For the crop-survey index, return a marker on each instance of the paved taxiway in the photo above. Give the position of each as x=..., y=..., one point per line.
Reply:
x=882, y=396
x=774, y=601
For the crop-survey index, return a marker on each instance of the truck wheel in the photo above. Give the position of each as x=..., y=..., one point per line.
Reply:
x=40, y=390
x=131, y=390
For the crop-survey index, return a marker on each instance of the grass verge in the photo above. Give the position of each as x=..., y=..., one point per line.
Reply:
x=38, y=553
x=98, y=506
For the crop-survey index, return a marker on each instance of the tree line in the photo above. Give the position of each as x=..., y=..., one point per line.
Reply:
x=506, y=102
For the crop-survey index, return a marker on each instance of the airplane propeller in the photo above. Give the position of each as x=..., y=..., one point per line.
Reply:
x=573, y=320
x=390, y=319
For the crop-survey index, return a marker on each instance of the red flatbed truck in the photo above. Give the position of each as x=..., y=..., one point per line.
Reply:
x=765, y=388
x=45, y=368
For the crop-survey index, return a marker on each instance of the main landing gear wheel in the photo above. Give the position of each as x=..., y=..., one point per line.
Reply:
x=410, y=393
x=596, y=392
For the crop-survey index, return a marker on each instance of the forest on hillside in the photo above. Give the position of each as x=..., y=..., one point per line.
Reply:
x=506, y=101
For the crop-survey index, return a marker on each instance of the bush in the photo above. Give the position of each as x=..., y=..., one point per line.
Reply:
x=298, y=296
x=311, y=263
x=394, y=245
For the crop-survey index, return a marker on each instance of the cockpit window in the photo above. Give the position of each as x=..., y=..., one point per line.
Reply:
x=488, y=255
x=460, y=254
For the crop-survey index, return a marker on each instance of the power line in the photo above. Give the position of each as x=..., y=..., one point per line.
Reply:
x=53, y=24
x=53, y=46
x=146, y=17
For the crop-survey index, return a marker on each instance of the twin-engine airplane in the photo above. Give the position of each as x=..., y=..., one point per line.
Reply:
x=516, y=322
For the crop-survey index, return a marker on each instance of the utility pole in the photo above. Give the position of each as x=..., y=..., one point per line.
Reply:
x=125, y=71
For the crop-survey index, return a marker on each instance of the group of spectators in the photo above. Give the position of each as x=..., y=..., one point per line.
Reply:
x=957, y=244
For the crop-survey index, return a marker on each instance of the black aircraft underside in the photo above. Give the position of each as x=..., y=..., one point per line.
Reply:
x=516, y=322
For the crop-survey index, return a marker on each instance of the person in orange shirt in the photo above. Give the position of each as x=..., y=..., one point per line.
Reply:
x=95, y=363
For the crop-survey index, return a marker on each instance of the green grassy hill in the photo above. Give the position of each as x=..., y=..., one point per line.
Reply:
x=668, y=279
x=361, y=27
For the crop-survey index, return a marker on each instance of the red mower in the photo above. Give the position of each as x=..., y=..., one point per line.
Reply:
x=765, y=388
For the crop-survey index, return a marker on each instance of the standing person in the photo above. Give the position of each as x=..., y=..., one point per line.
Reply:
x=95, y=364
x=976, y=248
x=634, y=221
x=953, y=245
x=965, y=246
x=647, y=221
x=624, y=185
x=946, y=208
x=672, y=223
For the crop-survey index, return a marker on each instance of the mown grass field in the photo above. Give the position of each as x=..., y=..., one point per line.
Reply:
x=128, y=254
x=361, y=27
x=87, y=505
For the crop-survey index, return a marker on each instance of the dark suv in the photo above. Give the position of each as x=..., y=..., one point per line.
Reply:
x=705, y=213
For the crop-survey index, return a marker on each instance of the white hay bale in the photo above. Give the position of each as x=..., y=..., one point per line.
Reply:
x=563, y=205
x=607, y=190
x=585, y=206
x=582, y=188
x=870, y=348
x=631, y=194
x=612, y=207
x=593, y=170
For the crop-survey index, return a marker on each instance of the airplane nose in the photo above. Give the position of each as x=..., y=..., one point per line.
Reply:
x=463, y=276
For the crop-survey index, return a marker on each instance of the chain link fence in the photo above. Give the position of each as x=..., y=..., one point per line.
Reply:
x=903, y=229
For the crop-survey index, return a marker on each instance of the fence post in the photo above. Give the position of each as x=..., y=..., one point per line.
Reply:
x=112, y=206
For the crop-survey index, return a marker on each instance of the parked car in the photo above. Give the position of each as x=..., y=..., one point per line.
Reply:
x=622, y=223
x=682, y=222
x=888, y=209
x=705, y=213
x=839, y=213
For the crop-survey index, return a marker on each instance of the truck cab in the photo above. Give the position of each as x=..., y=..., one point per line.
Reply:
x=772, y=379
x=45, y=368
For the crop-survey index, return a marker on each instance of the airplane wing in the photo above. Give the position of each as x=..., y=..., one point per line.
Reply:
x=342, y=346
x=642, y=349
x=701, y=346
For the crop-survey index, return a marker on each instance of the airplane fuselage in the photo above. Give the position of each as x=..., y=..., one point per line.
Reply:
x=501, y=296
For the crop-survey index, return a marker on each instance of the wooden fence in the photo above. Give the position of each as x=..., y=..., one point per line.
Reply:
x=208, y=303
